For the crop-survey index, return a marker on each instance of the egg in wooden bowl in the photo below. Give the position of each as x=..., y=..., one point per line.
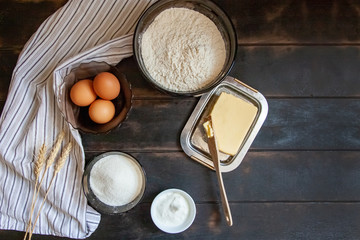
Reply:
x=95, y=97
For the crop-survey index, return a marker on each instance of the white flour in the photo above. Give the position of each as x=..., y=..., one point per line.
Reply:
x=183, y=50
x=115, y=180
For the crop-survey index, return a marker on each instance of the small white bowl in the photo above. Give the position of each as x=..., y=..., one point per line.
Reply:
x=173, y=228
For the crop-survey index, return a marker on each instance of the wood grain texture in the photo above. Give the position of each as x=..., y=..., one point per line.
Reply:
x=271, y=221
x=7, y=63
x=298, y=71
x=256, y=22
x=269, y=176
x=294, y=21
x=300, y=178
x=298, y=123
x=282, y=71
x=20, y=19
x=253, y=220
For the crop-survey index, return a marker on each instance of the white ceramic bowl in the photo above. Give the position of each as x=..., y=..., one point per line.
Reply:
x=173, y=228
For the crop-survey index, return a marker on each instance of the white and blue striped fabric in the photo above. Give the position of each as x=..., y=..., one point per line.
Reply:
x=81, y=31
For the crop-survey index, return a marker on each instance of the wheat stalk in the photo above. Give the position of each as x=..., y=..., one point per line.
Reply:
x=55, y=149
x=39, y=163
x=52, y=155
x=59, y=164
x=64, y=154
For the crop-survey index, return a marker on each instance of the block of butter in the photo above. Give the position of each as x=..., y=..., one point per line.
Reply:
x=232, y=118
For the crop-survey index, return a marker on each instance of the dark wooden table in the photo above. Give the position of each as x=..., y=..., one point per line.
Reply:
x=300, y=179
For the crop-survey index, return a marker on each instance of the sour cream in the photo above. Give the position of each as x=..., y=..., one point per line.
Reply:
x=173, y=211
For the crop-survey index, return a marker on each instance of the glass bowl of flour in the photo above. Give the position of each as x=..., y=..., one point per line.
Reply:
x=184, y=47
x=114, y=182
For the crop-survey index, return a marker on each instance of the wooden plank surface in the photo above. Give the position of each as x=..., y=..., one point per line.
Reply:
x=253, y=220
x=298, y=71
x=294, y=123
x=256, y=22
x=20, y=19
x=271, y=221
x=282, y=71
x=269, y=176
x=294, y=21
x=300, y=178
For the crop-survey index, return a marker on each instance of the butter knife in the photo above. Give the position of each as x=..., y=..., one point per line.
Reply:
x=215, y=157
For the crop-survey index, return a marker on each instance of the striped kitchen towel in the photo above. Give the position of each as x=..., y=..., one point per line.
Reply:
x=81, y=31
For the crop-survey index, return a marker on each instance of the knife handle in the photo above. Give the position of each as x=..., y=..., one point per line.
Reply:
x=224, y=201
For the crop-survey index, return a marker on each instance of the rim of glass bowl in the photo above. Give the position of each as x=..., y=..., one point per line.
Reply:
x=95, y=202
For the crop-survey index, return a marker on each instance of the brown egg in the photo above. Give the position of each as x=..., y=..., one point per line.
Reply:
x=101, y=111
x=106, y=85
x=82, y=93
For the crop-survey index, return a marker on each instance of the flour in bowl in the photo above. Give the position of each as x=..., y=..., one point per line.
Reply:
x=183, y=50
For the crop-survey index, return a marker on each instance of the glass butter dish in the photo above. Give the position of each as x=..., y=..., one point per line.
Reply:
x=193, y=138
